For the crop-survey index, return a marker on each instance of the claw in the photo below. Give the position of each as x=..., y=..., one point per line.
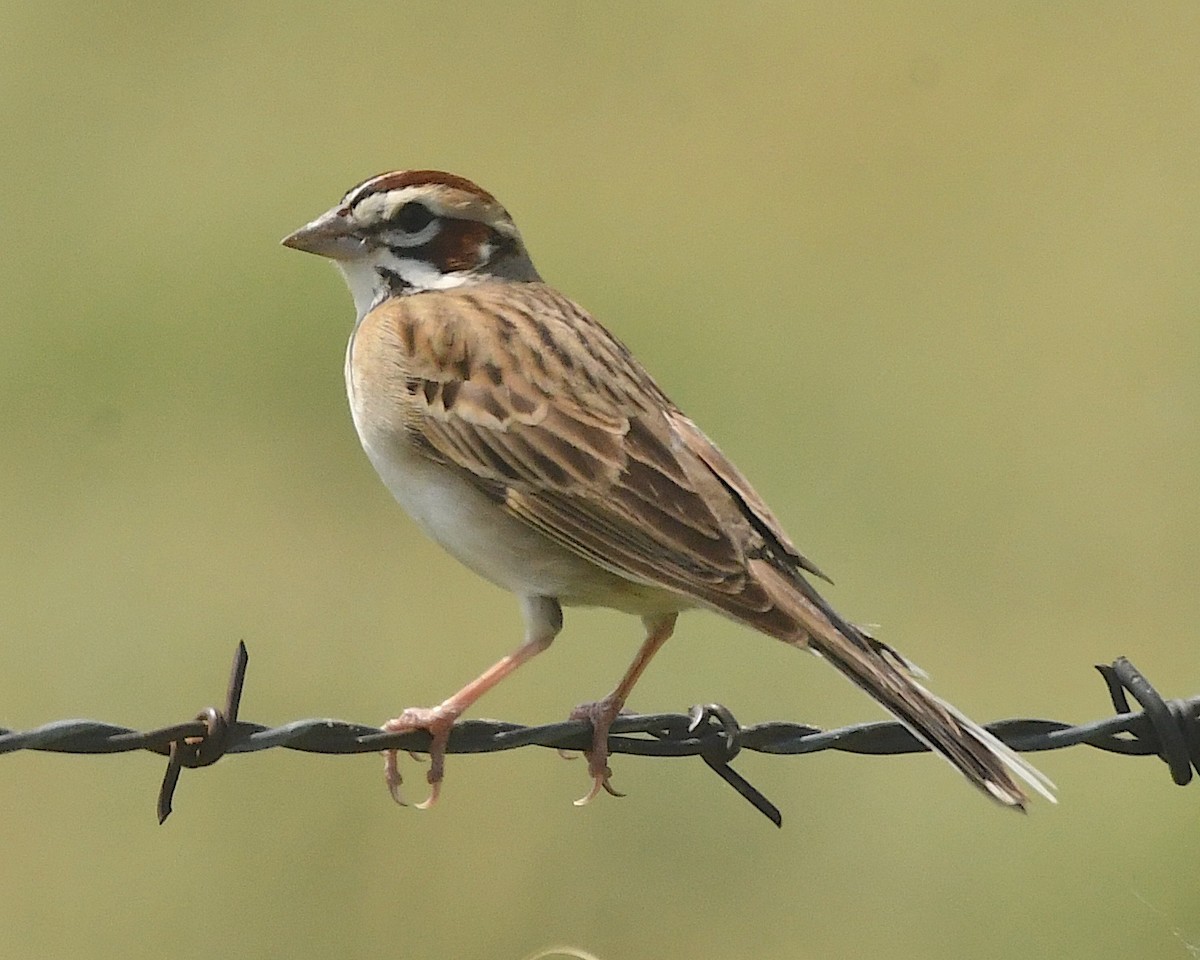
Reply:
x=601, y=780
x=437, y=767
x=600, y=715
x=592, y=794
x=438, y=722
x=435, y=791
x=391, y=776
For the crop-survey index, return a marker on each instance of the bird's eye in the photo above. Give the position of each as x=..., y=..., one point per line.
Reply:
x=413, y=217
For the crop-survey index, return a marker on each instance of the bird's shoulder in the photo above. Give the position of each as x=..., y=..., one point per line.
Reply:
x=523, y=390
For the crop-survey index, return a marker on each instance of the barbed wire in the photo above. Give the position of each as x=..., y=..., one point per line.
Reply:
x=1168, y=729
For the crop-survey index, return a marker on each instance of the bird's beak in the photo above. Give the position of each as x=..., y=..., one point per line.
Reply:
x=332, y=235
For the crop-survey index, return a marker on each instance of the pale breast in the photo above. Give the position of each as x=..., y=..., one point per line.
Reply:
x=455, y=513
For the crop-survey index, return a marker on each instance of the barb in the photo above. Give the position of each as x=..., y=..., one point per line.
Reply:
x=1168, y=729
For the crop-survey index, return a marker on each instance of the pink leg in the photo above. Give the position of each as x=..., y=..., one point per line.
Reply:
x=543, y=618
x=602, y=713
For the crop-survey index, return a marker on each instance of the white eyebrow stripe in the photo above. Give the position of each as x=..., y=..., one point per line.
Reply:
x=375, y=208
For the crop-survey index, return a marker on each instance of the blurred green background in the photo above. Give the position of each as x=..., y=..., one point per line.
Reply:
x=928, y=272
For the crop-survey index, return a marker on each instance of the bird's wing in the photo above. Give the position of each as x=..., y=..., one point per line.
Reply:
x=549, y=414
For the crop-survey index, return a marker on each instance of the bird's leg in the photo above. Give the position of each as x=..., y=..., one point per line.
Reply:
x=602, y=713
x=543, y=621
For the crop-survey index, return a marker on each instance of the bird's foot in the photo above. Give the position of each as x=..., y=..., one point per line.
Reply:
x=600, y=715
x=438, y=722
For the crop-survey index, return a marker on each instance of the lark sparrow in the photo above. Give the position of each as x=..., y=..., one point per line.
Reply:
x=525, y=439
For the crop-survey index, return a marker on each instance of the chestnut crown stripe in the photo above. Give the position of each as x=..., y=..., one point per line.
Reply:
x=384, y=182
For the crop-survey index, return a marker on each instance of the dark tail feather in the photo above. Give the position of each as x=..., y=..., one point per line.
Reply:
x=981, y=757
x=882, y=673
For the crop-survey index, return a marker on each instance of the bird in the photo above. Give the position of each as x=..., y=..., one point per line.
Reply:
x=527, y=440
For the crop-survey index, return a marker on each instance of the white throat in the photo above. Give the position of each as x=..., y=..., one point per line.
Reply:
x=368, y=288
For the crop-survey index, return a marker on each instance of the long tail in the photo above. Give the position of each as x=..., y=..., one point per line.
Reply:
x=980, y=756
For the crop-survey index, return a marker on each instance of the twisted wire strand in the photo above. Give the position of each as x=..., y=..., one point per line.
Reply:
x=1168, y=729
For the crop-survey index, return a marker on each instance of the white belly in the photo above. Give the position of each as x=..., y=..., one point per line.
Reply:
x=480, y=534
x=472, y=528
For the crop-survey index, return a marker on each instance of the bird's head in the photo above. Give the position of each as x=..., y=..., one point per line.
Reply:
x=412, y=231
